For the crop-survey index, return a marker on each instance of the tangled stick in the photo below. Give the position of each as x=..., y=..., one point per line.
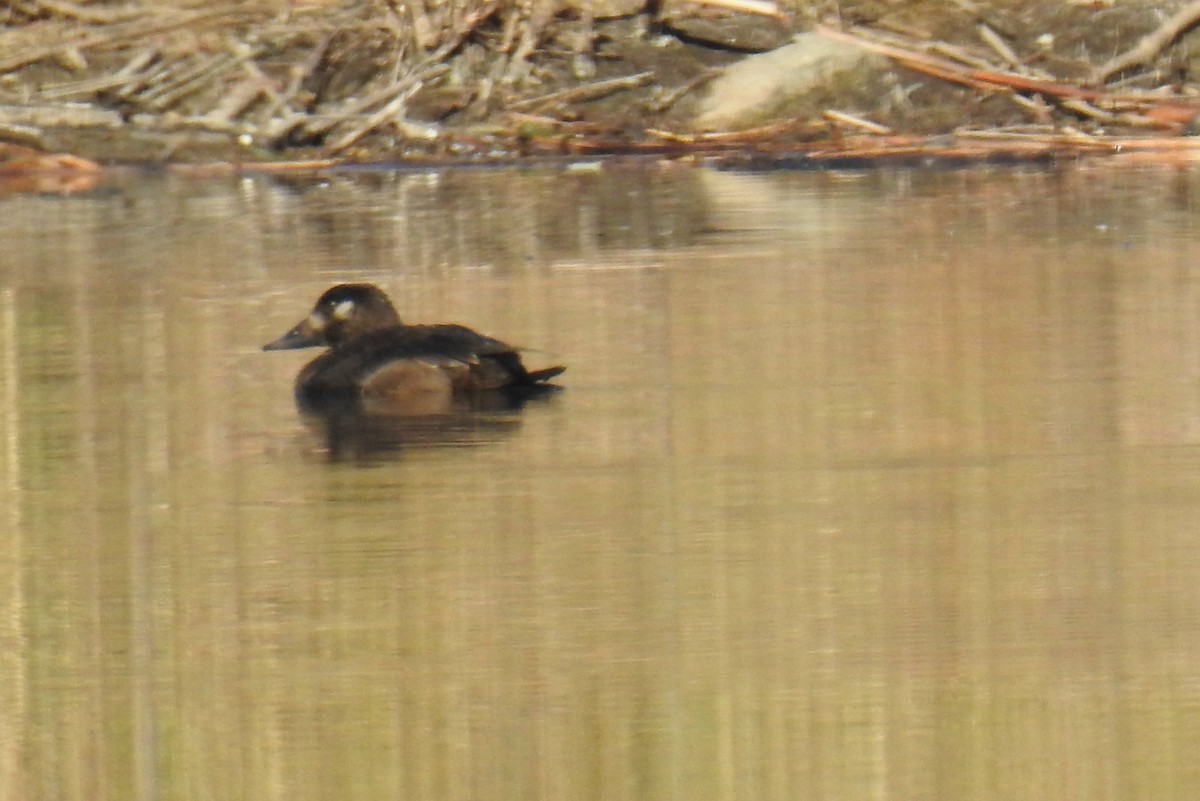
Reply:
x=1151, y=44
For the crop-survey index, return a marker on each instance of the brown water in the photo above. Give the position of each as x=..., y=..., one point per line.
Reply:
x=879, y=485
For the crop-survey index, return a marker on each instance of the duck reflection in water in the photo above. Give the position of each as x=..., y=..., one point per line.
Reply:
x=384, y=385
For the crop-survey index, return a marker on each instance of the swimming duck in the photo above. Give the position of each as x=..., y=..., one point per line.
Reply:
x=374, y=356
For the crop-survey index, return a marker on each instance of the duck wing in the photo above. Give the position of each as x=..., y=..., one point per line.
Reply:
x=391, y=359
x=493, y=363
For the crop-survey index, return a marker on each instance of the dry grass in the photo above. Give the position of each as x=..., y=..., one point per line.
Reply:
x=318, y=71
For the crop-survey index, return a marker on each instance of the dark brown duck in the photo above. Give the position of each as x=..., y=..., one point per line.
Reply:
x=374, y=356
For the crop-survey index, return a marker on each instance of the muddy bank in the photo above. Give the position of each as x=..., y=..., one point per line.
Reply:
x=383, y=80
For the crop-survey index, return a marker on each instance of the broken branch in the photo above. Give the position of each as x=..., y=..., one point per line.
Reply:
x=1152, y=43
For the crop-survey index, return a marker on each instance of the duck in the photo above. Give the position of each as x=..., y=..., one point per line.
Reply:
x=373, y=357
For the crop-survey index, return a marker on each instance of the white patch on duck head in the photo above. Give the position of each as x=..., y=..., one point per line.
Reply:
x=316, y=321
x=343, y=309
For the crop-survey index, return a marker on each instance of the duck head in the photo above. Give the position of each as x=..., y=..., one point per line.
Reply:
x=344, y=312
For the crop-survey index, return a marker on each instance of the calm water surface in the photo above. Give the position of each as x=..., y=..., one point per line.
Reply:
x=863, y=485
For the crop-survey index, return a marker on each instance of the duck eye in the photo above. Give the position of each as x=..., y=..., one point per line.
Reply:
x=343, y=310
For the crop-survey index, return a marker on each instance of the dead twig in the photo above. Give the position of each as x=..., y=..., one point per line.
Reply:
x=960, y=55
x=119, y=32
x=281, y=100
x=1086, y=109
x=535, y=19
x=761, y=133
x=764, y=8
x=1164, y=110
x=670, y=97
x=27, y=135
x=195, y=79
x=60, y=116
x=1151, y=44
x=119, y=80
x=582, y=94
x=391, y=109
x=235, y=102
x=842, y=118
x=86, y=13
x=394, y=95
x=1066, y=137
x=1036, y=105
x=993, y=40
x=944, y=68
x=328, y=120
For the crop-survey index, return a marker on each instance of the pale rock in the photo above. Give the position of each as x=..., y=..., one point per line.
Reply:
x=793, y=81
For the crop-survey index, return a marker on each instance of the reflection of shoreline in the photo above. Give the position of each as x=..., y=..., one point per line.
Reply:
x=351, y=430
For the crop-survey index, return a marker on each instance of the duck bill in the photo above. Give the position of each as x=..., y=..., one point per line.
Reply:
x=304, y=335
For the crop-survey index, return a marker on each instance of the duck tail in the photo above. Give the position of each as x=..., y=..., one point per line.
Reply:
x=544, y=374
